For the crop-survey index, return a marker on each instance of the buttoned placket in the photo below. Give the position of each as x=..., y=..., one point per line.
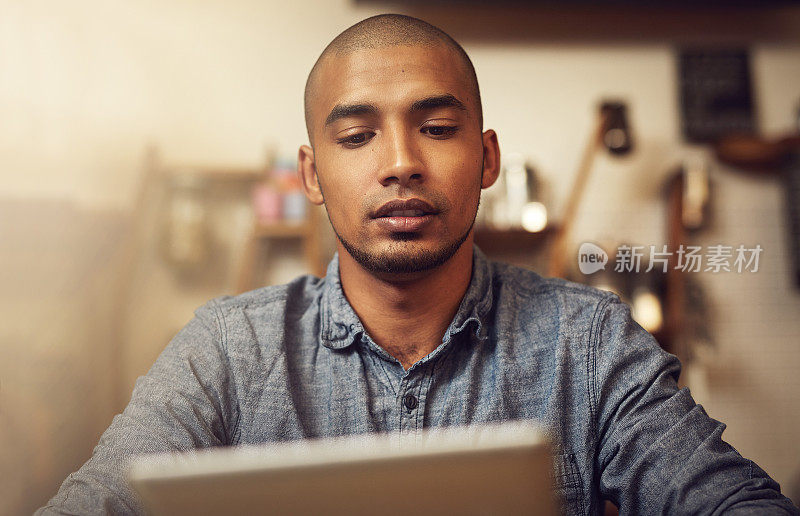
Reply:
x=412, y=411
x=408, y=387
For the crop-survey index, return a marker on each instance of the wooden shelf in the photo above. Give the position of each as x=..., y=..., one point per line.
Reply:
x=513, y=240
x=305, y=231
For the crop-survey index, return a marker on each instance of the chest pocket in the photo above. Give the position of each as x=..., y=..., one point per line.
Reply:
x=569, y=488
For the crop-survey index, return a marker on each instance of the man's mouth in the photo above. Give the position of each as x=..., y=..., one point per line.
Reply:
x=405, y=215
x=405, y=208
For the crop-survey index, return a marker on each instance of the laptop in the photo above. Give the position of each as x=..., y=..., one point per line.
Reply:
x=477, y=470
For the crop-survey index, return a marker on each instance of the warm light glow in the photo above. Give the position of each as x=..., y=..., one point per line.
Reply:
x=647, y=311
x=534, y=217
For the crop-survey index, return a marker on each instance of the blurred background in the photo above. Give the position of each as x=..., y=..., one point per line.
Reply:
x=147, y=158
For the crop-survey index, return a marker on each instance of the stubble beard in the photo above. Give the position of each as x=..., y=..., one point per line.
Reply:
x=400, y=259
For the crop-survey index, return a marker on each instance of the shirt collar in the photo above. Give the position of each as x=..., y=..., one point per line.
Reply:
x=340, y=326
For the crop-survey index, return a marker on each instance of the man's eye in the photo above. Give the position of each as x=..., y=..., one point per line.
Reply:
x=440, y=131
x=355, y=140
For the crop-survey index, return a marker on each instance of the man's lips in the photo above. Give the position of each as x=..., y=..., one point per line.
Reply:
x=405, y=208
x=404, y=215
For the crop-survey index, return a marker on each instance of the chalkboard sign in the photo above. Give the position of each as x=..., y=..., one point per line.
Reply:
x=716, y=94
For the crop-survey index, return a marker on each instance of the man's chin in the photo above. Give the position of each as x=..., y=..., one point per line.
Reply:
x=403, y=256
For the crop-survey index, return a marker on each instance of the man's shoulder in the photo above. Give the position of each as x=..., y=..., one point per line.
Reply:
x=273, y=299
x=518, y=281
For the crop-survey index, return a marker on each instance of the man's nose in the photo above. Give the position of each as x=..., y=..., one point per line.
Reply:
x=402, y=163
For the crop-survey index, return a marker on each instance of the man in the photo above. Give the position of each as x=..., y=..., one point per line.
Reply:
x=412, y=327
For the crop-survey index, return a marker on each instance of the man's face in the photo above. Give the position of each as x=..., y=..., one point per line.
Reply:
x=399, y=155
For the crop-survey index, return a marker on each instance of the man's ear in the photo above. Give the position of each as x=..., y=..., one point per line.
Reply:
x=491, y=158
x=307, y=170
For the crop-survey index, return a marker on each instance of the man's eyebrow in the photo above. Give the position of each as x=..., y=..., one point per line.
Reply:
x=346, y=110
x=438, y=101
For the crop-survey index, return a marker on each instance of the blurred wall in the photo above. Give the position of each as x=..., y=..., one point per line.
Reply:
x=88, y=85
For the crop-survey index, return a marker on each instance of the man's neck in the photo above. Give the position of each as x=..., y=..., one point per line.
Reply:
x=407, y=316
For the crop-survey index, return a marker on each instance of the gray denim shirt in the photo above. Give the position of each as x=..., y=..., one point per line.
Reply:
x=294, y=361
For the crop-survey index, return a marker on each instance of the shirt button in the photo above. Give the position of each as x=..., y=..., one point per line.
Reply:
x=410, y=401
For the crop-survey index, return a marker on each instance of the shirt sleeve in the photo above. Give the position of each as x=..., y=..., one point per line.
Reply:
x=658, y=451
x=185, y=401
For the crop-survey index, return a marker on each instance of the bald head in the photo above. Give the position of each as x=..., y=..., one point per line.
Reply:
x=387, y=30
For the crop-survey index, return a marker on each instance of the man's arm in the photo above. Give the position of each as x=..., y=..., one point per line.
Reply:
x=658, y=451
x=187, y=400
